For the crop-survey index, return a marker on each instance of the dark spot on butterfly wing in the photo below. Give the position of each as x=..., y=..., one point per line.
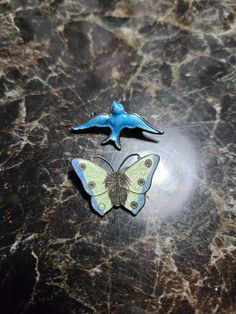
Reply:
x=141, y=181
x=134, y=204
x=91, y=184
x=148, y=163
x=82, y=166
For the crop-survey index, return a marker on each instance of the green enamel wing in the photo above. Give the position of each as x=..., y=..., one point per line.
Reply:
x=125, y=187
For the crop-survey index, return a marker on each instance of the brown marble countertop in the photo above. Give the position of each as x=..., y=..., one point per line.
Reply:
x=174, y=63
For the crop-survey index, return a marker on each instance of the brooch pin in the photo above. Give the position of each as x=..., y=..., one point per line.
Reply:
x=117, y=120
x=126, y=188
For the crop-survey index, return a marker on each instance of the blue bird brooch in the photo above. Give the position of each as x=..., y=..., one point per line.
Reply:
x=117, y=120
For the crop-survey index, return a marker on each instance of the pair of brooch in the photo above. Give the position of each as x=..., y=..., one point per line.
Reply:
x=125, y=187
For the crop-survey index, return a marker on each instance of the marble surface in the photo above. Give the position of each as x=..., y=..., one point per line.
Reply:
x=173, y=62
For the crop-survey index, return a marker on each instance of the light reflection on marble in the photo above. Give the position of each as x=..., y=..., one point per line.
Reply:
x=175, y=178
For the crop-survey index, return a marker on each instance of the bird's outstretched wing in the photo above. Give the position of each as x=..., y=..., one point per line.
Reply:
x=99, y=121
x=135, y=121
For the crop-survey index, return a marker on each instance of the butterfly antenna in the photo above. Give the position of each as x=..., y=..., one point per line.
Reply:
x=99, y=157
x=127, y=159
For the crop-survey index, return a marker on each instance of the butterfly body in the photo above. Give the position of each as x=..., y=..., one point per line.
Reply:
x=117, y=184
x=125, y=188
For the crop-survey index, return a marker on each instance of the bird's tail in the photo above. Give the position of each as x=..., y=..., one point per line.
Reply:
x=113, y=138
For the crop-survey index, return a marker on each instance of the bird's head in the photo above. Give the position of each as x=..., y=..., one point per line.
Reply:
x=117, y=108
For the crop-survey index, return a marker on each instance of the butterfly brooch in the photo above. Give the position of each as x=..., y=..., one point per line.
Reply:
x=126, y=188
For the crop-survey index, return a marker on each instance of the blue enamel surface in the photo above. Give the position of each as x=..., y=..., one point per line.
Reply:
x=117, y=121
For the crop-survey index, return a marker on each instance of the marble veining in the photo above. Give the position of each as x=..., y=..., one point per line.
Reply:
x=172, y=62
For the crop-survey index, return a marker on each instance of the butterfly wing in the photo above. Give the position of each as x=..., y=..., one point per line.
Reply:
x=141, y=172
x=91, y=175
x=102, y=203
x=93, y=178
x=140, y=176
x=134, y=202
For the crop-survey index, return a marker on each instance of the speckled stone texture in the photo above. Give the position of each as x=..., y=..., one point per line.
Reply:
x=174, y=63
